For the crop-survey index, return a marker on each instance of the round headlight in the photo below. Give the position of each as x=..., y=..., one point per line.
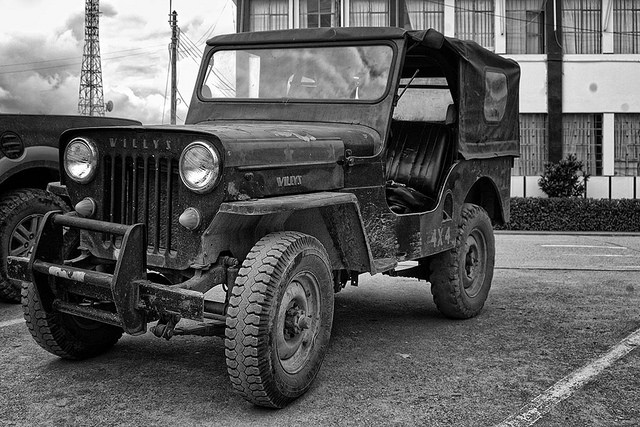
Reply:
x=199, y=166
x=81, y=160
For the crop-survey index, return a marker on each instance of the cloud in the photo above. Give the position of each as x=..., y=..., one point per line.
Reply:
x=74, y=24
x=108, y=10
x=40, y=63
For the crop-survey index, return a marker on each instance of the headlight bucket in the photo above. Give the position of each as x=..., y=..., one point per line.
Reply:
x=80, y=160
x=199, y=167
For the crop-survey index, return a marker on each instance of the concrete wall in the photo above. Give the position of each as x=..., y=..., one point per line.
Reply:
x=601, y=84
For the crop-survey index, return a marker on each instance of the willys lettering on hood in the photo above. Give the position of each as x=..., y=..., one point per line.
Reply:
x=142, y=143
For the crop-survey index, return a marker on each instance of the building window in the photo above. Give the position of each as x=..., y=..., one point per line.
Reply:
x=626, y=26
x=475, y=21
x=525, y=26
x=369, y=13
x=582, y=26
x=319, y=13
x=627, y=144
x=582, y=136
x=423, y=15
x=268, y=15
x=533, y=145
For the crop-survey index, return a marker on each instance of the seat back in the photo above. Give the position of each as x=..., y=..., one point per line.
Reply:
x=418, y=153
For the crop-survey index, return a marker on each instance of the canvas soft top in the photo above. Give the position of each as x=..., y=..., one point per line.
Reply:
x=484, y=84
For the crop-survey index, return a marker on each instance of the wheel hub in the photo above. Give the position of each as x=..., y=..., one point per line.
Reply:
x=297, y=325
x=471, y=263
x=23, y=236
x=295, y=322
x=474, y=263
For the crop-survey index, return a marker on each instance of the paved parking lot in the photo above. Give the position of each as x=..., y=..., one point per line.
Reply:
x=558, y=307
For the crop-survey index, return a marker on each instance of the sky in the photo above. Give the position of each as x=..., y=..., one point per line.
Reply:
x=42, y=42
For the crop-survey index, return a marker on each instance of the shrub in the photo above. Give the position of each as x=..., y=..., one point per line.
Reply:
x=574, y=214
x=562, y=179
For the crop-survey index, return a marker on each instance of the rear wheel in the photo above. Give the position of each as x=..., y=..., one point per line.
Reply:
x=21, y=211
x=461, y=277
x=279, y=319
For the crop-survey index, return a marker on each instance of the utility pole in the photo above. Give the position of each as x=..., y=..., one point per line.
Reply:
x=173, y=21
x=91, y=101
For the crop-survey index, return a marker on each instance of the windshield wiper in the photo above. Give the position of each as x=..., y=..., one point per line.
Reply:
x=395, y=101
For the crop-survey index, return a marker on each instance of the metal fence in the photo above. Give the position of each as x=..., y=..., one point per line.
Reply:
x=533, y=145
x=627, y=144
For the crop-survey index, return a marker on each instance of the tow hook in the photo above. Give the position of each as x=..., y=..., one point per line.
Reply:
x=166, y=326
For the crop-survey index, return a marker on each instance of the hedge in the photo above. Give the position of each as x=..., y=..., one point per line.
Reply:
x=574, y=214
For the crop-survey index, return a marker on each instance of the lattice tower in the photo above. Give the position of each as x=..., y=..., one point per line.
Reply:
x=91, y=101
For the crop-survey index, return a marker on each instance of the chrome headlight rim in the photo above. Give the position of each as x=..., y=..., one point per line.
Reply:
x=211, y=182
x=93, y=161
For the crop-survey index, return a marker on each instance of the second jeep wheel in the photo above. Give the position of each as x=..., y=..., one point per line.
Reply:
x=461, y=277
x=21, y=212
x=279, y=319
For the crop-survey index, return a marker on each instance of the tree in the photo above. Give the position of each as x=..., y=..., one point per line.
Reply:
x=562, y=179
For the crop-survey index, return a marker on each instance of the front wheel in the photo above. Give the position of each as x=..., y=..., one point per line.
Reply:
x=64, y=335
x=461, y=277
x=279, y=319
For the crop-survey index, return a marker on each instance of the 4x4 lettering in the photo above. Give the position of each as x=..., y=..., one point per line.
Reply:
x=440, y=236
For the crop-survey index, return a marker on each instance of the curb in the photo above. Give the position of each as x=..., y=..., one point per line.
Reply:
x=570, y=233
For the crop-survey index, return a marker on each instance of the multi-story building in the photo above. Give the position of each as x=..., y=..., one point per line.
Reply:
x=580, y=61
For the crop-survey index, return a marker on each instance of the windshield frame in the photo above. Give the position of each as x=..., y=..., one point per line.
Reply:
x=242, y=47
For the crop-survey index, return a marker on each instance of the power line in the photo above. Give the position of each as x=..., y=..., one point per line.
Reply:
x=72, y=64
x=16, y=64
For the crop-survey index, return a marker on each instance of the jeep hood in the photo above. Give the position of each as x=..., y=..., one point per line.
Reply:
x=269, y=159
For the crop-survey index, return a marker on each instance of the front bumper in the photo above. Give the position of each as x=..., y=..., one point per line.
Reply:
x=125, y=298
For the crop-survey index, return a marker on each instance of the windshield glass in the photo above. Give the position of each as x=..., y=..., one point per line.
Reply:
x=305, y=73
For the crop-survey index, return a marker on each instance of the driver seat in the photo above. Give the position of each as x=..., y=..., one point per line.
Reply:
x=417, y=158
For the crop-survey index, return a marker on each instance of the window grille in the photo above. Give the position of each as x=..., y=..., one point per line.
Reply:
x=319, y=13
x=627, y=144
x=369, y=13
x=626, y=26
x=268, y=15
x=425, y=14
x=582, y=26
x=525, y=26
x=582, y=136
x=533, y=145
x=475, y=21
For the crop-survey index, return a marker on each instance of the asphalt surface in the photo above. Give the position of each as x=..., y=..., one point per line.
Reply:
x=557, y=303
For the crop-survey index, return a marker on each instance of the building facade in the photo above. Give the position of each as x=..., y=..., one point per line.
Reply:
x=580, y=62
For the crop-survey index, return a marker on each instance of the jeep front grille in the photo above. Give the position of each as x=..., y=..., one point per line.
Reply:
x=142, y=188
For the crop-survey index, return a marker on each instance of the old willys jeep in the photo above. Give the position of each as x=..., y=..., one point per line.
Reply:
x=308, y=158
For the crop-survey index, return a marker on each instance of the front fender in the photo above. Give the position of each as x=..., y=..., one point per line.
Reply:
x=331, y=217
x=33, y=157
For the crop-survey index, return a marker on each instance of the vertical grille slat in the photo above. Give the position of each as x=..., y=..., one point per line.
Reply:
x=134, y=192
x=168, y=204
x=112, y=180
x=156, y=186
x=141, y=189
x=145, y=199
x=123, y=191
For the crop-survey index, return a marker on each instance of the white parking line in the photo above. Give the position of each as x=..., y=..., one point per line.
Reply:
x=583, y=246
x=11, y=322
x=564, y=388
x=604, y=255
